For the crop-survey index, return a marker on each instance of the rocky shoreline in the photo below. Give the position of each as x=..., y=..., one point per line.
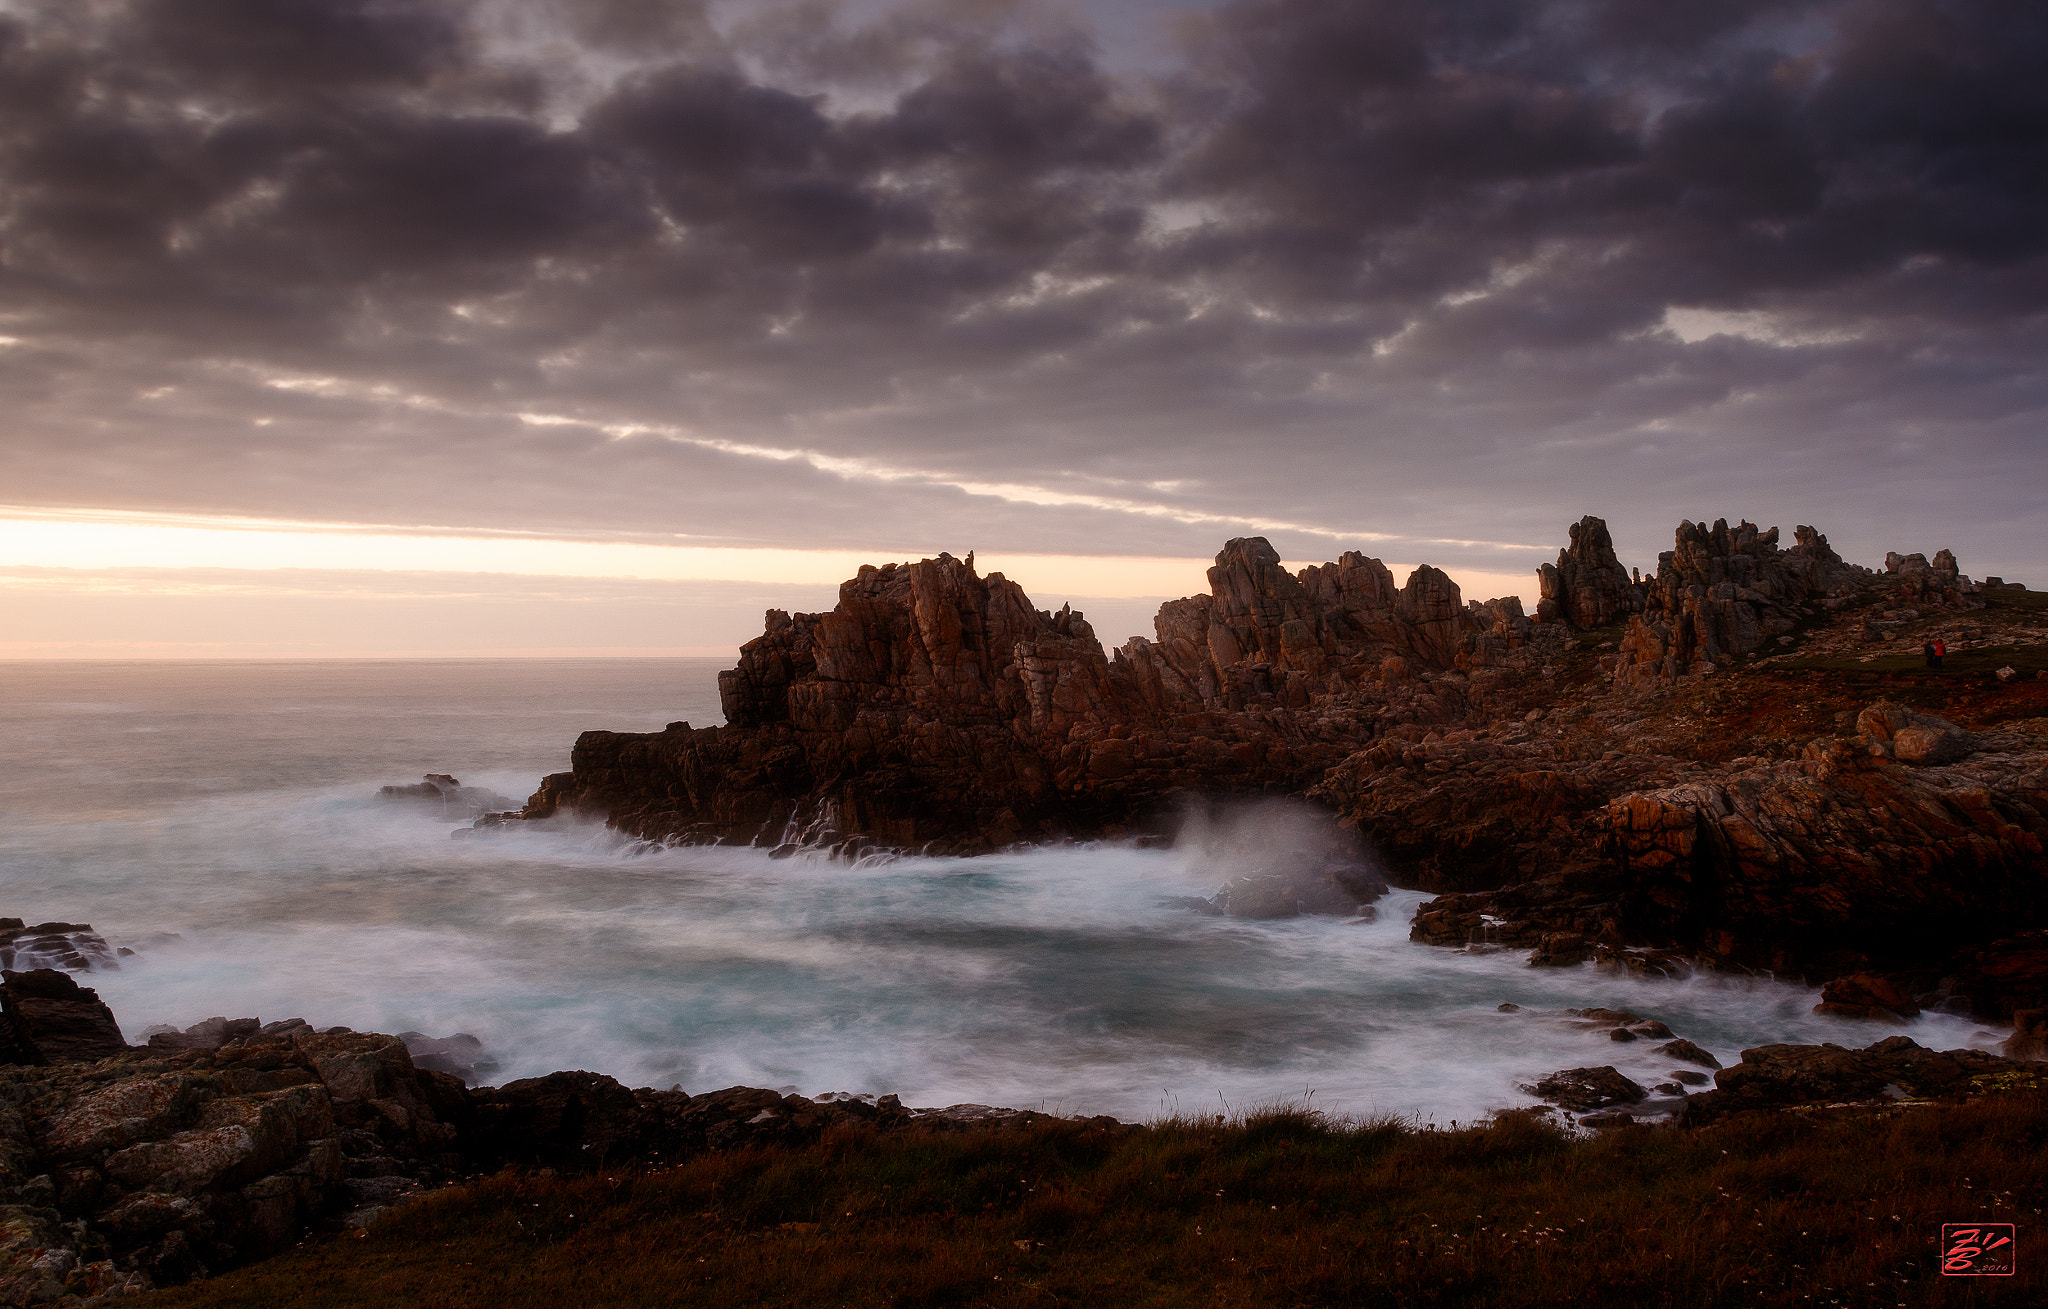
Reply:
x=123, y=1169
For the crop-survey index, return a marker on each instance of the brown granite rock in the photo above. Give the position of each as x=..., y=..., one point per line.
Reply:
x=937, y=709
x=1782, y=1076
x=1725, y=591
x=49, y=1018
x=1587, y=587
x=1866, y=995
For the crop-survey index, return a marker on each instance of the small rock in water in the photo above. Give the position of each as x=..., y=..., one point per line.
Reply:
x=1509, y=1008
x=1686, y=1050
x=450, y=796
x=1689, y=1077
x=460, y=1055
x=1583, y=1089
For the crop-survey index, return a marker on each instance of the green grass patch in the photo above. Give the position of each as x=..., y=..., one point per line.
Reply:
x=1278, y=1209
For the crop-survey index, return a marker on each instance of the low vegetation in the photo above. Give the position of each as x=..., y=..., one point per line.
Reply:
x=1284, y=1207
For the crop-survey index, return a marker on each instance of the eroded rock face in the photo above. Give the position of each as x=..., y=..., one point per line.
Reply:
x=1825, y=863
x=937, y=709
x=1725, y=591
x=1587, y=587
x=49, y=1018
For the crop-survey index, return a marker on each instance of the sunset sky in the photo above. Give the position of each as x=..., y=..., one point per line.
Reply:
x=397, y=327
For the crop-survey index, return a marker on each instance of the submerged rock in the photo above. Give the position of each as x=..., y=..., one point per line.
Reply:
x=1584, y=1089
x=448, y=796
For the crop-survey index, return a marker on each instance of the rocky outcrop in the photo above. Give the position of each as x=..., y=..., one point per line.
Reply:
x=151, y=1168
x=73, y=947
x=1896, y=1068
x=48, y=1018
x=160, y=1166
x=936, y=709
x=1722, y=592
x=448, y=797
x=1916, y=579
x=1587, y=587
x=1830, y=862
x=1562, y=780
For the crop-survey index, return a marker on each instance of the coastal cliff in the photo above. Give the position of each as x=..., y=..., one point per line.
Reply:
x=1736, y=758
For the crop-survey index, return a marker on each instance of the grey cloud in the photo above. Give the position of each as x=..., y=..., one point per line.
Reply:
x=1361, y=265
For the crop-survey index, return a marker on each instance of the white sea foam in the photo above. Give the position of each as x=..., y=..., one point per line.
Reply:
x=1063, y=978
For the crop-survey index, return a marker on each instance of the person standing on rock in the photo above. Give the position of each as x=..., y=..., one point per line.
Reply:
x=1940, y=649
x=1927, y=653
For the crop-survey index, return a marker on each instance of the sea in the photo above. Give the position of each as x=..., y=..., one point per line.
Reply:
x=222, y=820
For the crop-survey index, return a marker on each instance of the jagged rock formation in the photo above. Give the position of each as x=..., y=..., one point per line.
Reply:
x=934, y=708
x=1587, y=587
x=1721, y=592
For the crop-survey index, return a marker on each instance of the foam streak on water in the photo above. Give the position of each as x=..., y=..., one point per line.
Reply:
x=231, y=804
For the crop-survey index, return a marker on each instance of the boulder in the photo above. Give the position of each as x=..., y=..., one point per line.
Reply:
x=1690, y=1053
x=1866, y=995
x=1582, y=1090
x=50, y=1018
x=2029, y=1039
x=1783, y=1076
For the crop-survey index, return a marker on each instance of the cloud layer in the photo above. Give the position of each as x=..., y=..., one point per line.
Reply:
x=1436, y=275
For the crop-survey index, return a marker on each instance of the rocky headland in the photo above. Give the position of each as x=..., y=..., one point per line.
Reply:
x=1737, y=760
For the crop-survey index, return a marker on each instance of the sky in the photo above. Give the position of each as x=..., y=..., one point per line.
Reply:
x=397, y=327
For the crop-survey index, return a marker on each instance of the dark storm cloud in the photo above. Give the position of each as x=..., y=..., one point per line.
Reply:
x=782, y=274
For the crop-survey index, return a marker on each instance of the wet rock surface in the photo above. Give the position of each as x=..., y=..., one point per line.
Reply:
x=1586, y=1089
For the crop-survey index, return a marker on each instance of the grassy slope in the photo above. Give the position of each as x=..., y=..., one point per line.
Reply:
x=1285, y=1209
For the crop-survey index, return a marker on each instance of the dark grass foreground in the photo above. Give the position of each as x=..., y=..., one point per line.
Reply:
x=1281, y=1208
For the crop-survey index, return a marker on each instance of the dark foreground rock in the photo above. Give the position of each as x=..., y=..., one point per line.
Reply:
x=46, y=1017
x=233, y=1140
x=1894, y=1069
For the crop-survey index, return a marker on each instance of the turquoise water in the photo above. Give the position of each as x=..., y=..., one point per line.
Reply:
x=233, y=805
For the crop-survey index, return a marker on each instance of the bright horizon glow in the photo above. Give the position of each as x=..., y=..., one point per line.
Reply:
x=94, y=540
x=113, y=585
